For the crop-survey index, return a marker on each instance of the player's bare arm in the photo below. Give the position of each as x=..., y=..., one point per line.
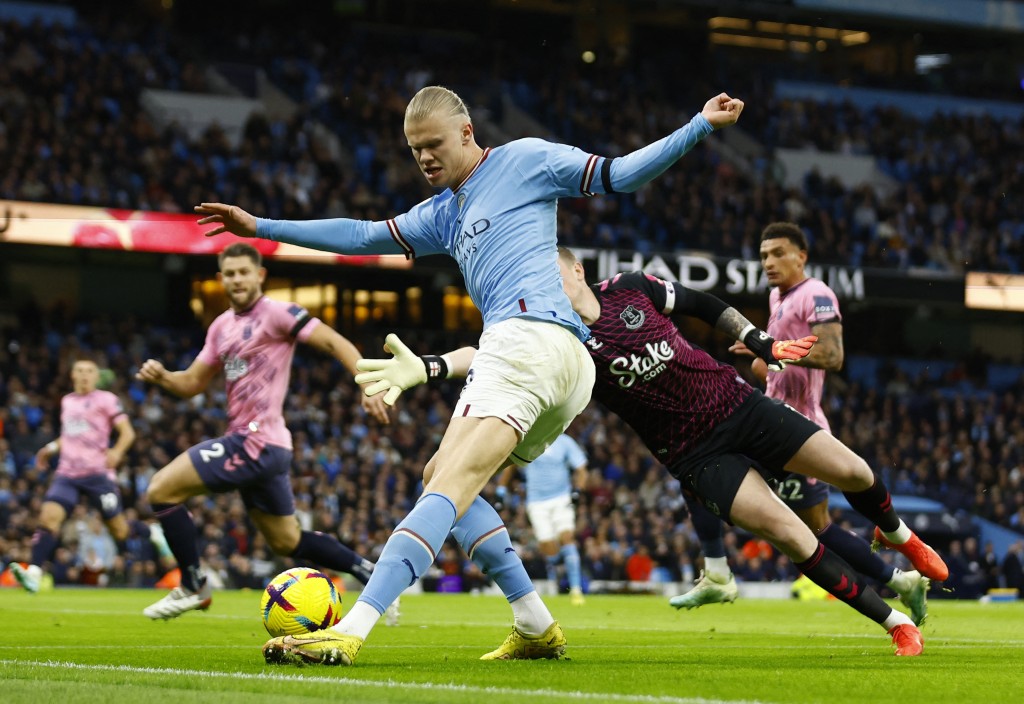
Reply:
x=186, y=383
x=125, y=438
x=228, y=218
x=45, y=452
x=329, y=341
x=828, y=350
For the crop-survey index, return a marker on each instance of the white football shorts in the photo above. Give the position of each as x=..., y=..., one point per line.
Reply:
x=535, y=376
x=551, y=517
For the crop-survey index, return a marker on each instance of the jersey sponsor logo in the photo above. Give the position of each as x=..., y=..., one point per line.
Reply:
x=632, y=317
x=74, y=427
x=465, y=241
x=823, y=305
x=235, y=368
x=644, y=367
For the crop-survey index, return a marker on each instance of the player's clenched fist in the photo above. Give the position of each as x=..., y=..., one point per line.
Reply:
x=151, y=371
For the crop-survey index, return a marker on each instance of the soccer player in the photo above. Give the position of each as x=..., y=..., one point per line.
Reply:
x=708, y=426
x=532, y=375
x=799, y=305
x=553, y=483
x=86, y=466
x=253, y=343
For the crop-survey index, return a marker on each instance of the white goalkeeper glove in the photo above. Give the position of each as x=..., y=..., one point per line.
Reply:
x=403, y=371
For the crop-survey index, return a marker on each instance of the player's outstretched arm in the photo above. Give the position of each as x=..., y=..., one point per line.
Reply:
x=227, y=218
x=406, y=369
x=628, y=173
x=722, y=111
x=330, y=341
x=185, y=383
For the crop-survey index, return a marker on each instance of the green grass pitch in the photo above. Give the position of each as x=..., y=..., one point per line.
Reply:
x=75, y=645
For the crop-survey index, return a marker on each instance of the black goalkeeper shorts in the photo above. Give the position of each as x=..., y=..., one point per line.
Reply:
x=763, y=433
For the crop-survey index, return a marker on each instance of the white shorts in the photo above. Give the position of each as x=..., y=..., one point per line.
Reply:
x=533, y=375
x=551, y=517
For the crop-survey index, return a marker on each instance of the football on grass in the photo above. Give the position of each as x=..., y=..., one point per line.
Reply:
x=300, y=600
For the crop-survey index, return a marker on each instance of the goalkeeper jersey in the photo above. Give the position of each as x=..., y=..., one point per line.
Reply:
x=670, y=392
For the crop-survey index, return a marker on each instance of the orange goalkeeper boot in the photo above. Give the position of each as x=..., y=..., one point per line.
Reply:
x=907, y=640
x=921, y=556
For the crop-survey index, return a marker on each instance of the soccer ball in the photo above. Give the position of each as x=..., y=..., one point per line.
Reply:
x=300, y=600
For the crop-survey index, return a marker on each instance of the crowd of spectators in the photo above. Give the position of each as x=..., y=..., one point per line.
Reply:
x=356, y=479
x=72, y=130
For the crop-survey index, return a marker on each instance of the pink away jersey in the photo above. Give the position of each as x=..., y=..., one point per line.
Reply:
x=255, y=348
x=85, y=424
x=808, y=303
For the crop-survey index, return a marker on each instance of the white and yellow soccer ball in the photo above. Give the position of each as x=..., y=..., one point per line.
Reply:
x=300, y=600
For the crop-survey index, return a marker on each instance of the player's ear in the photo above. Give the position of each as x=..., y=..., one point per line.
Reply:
x=467, y=133
x=262, y=274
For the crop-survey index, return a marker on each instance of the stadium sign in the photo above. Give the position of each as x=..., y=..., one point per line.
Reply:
x=706, y=273
x=146, y=231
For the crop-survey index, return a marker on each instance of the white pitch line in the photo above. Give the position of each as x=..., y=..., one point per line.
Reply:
x=388, y=684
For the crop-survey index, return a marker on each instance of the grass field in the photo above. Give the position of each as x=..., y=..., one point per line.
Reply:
x=95, y=646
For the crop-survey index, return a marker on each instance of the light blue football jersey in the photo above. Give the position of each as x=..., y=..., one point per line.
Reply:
x=550, y=475
x=500, y=224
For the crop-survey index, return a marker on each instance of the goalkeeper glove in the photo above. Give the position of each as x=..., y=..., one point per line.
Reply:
x=776, y=353
x=403, y=371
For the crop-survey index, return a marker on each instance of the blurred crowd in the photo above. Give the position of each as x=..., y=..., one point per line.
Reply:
x=356, y=479
x=73, y=130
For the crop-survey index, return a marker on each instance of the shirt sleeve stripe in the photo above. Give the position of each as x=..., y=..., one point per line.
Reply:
x=606, y=175
x=670, y=298
x=588, y=176
x=396, y=235
x=300, y=323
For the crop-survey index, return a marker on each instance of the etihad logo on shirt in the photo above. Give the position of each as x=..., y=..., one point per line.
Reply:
x=235, y=368
x=644, y=367
x=632, y=317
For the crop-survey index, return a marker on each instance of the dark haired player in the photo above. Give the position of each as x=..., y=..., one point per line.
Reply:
x=799, y=305
x=253, y=342
x=707, y=425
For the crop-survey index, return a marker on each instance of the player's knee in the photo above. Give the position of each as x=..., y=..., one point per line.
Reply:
x=283, y=543
x=118, y=531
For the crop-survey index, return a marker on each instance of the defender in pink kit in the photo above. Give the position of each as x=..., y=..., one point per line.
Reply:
x=86, y=467
x=253, y=342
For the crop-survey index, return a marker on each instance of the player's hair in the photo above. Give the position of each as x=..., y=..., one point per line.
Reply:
x=86, y=356
x=567, y=255
x=435, y=100
x=789, y=230
x=241, y=249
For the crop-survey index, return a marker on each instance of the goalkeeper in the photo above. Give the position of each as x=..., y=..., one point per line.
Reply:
x=707, y=425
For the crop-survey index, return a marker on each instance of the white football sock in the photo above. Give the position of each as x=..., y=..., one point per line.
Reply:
x=900, y=535
x=359, y=620
x=717, y=567
x=532, y=617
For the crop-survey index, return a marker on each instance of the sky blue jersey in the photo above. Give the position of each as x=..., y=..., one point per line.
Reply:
x=550, y=475
x=499, y=224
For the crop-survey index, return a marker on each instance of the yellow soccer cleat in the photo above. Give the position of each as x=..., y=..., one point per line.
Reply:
x=550, y=645
x=576, y=597
x=318, y=648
